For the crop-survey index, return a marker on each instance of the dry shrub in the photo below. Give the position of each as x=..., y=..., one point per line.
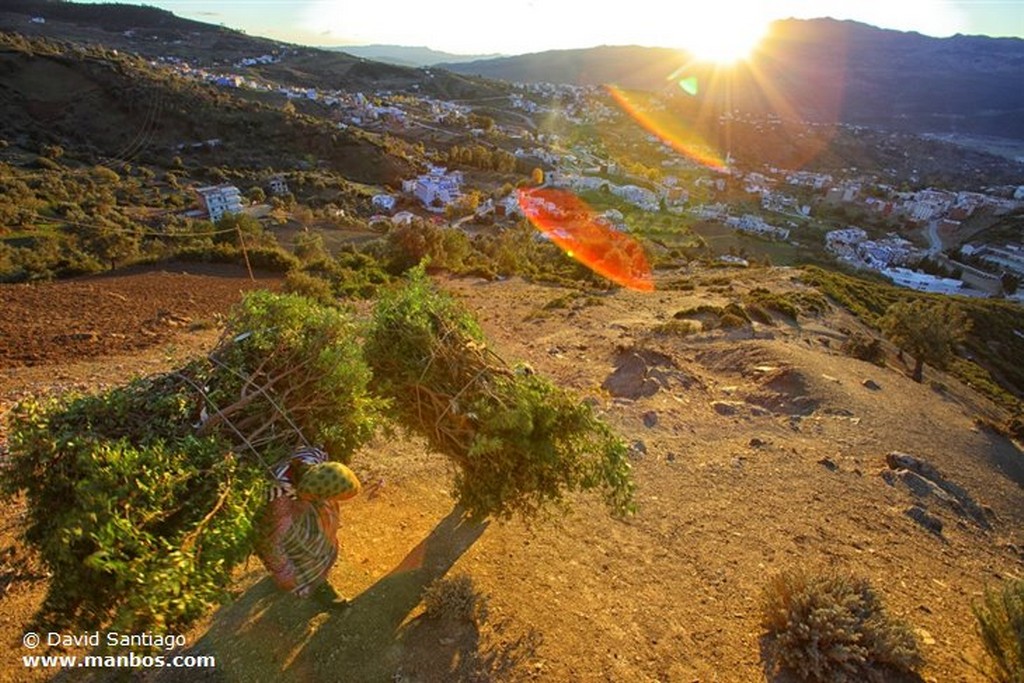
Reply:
x=455, y=598
x=833, y=628
x=1001, y=626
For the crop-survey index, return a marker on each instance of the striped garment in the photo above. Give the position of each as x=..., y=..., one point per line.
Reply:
x=297, y=540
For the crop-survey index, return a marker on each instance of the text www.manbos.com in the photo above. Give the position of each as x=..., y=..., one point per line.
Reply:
x=131, y=660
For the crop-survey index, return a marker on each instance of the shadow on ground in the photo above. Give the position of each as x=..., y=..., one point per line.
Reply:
x=269, y=636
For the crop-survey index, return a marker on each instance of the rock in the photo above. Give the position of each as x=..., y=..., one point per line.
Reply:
x=871, y=384
x=829, y=464
x=757, y=443
x=638, y=449
x=925, y=636
x=726, y=407
x=650, y=419
x=925, y=519
x=923, y=480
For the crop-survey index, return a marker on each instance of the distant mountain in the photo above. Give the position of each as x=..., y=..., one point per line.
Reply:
x=408, y=56
x=820, y=70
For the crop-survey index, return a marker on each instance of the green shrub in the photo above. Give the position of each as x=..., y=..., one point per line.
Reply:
x=310, y=286
x=864, y=347
x=519, y=442
x=732, y=321
x=1000, y=617
x=141, y=499
x=833, y=628
x=790, y=304
x=678, y=328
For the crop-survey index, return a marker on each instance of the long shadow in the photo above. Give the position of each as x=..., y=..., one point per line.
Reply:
x=1005, y=455
x=269, y=636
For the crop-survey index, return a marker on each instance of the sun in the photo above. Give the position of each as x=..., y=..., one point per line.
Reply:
x=722, y=37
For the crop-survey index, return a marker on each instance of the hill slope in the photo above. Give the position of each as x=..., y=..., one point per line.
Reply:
x=756, y=450
x=120, y=107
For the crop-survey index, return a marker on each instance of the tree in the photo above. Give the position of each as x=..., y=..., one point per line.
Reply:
x=927, y=331
x=1010, y=283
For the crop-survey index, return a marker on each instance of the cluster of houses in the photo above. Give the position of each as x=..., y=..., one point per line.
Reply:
x=1008, y=258
x=890, y=256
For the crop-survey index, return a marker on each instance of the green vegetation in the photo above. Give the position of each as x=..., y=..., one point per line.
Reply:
x=833, y=628
x=864, y=347
x=991, y=349
x=928, y=331
x=1000, y=617
x=790, y=304
x=140, y=516
x=141, y=499
x=519, y=442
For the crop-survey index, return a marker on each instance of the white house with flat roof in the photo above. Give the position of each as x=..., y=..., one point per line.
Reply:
x=220, y=199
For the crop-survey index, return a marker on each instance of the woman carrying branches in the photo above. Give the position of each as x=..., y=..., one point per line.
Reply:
x=297, y=531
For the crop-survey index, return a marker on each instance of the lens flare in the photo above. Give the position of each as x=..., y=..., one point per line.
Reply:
x=670, y=130
x=574, y=227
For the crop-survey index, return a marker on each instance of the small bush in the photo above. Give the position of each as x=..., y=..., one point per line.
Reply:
x=1001, y=627
x=732, y=321
x=678, y=328
x=863, y=347
x=309, y=286
x=454, y=598
x=833, y=628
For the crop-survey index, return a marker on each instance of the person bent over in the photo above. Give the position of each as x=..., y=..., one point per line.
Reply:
x=297, y=530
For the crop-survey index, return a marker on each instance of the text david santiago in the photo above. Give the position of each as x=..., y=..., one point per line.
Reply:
x=165, y=641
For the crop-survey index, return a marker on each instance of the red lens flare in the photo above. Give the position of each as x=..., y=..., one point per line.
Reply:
x=584, y=236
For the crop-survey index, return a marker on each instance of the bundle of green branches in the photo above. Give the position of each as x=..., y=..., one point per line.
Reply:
x=519, y=442
x=141, y=499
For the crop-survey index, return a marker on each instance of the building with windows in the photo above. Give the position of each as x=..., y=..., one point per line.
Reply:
x=220, y=199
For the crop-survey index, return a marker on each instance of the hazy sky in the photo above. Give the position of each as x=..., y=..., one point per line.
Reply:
x=472, y=26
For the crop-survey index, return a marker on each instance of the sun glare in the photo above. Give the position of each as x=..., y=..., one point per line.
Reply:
x=723, y=39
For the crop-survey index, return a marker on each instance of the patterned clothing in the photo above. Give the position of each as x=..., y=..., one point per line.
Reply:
x=297, y=540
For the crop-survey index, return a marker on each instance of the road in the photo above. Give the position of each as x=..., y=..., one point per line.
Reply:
x=934, y=243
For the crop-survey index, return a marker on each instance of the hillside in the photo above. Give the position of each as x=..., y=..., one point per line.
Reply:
x=755, y=450
x=158, y=34
x=823, y=71
x=103, y=105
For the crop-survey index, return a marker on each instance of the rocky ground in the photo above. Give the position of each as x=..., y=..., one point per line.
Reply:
x=755, y=450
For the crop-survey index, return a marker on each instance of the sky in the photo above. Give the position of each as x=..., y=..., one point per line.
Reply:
x=475, y=27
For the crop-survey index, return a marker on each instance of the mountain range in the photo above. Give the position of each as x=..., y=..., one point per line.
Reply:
x=819, y=70
x=404, y=55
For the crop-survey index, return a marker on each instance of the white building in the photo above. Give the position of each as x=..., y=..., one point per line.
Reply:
x=923, y=282
x=436, y=187
x=278, y=185
x=384, y=202
x=843, y=241
x=220, y=200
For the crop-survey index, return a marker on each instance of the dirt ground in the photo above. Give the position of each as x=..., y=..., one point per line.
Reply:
x=755, y=450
